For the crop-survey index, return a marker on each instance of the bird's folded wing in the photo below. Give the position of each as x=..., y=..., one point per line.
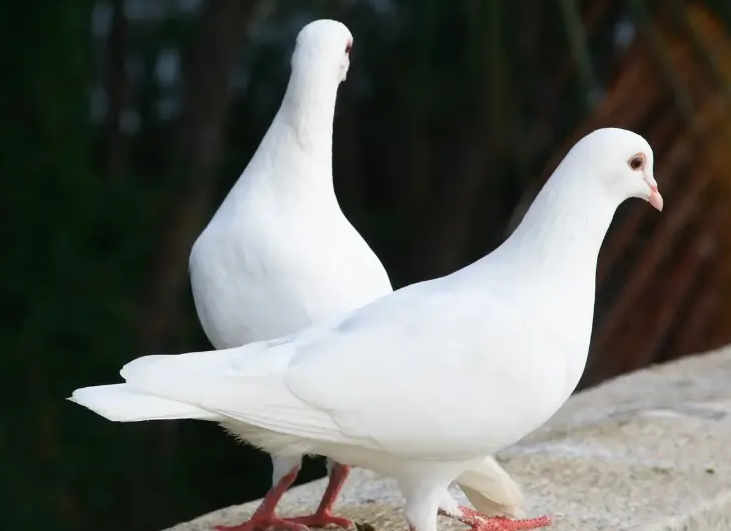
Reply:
x=398, y=375
x=243, y=384
x=417, y=375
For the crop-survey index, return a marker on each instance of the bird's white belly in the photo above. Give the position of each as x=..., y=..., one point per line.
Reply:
x=242, y=308
x=537, y=390
x=249, y=312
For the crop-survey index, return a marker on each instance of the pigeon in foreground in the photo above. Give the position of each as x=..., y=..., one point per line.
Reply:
x=279, y=255
x=508, y=334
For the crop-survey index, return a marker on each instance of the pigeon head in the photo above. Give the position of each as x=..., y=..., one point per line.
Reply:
x=622, y=162
x=324, y=45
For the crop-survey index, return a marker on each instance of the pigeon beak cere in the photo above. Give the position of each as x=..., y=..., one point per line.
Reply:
x=655, y=199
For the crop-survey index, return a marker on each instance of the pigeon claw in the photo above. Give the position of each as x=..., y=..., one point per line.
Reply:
x=265, y=523
x=480, y=522
x=322, y=519
x=501, y=523
x=271, y=522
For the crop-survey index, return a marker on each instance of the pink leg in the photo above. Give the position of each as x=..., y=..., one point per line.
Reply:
x=265, y=517
x=480, y=522
x=323, y=516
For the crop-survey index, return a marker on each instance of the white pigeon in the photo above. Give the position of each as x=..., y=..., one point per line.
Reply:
x=279, y=255
x=507, y=335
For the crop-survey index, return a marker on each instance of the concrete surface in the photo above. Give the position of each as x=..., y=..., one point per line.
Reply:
x=649, y=451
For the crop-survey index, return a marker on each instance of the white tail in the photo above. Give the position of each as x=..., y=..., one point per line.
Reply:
x=121, y=403
x=491, y=490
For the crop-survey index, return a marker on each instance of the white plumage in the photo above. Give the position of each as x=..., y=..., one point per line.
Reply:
x=426, y=381
x=279, y=254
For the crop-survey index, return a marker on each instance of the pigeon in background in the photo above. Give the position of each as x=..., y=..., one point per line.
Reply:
x=457, y=368
x=279, y=255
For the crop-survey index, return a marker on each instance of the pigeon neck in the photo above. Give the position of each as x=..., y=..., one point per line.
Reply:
x=565, y=226
x=295, y=156
x=309, y=106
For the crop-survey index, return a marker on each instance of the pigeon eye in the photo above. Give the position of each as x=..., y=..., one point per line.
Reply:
x=348, y=47
x=637, y=162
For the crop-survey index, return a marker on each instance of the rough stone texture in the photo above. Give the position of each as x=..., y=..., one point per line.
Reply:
x=650, y=451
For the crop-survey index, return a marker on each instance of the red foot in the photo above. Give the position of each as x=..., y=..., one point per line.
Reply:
x=322, y=519
x=323, y=516
x=501, y=523
x=269, y=522
x=265, y=519
x=480, y=522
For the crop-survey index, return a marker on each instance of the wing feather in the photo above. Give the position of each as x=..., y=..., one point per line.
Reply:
x=394, y=376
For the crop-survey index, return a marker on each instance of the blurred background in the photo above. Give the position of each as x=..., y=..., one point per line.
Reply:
x=123, y=123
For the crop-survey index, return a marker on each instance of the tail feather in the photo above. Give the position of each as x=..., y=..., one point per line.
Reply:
x=491, y=490
x=121, y=403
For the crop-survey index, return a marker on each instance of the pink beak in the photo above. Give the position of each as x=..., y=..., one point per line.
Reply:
x=655, y=199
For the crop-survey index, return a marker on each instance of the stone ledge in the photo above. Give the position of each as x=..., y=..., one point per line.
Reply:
x=649, y=451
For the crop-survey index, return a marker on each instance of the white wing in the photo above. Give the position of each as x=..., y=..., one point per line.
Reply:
x=404, y=375
x=393, y=376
